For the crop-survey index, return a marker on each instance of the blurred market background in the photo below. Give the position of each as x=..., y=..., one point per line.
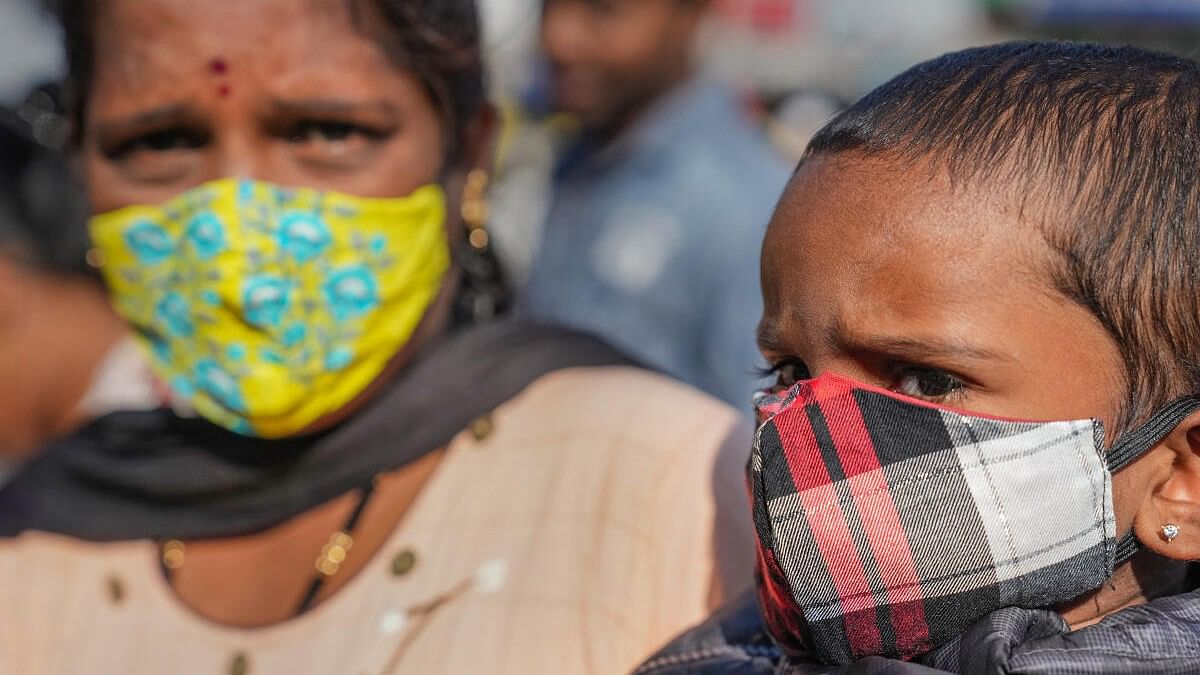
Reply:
x=839, y=48
x=795, y=61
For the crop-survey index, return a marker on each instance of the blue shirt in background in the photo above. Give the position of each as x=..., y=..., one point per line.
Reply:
x=653, y=240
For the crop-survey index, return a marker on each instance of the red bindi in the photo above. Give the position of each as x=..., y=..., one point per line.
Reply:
x=218, y=67
x=223, y=90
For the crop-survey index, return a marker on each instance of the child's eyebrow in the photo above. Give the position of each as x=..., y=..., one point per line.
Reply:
x=919, y=348
x=769, y=339
x=840, y=338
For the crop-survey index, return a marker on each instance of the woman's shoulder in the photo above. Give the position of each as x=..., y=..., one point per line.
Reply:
x=595, y=488
x=626, y=401
x=604, y=442
x=62, y=558
x=49, y=579
x=631, y=381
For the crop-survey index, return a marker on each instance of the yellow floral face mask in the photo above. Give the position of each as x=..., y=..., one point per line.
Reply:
x=269, y=308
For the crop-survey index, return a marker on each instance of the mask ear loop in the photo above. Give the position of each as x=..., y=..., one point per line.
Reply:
x=1137, y=443
x=1127, y=547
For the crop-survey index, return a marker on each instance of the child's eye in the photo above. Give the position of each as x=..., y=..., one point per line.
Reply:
x=927, y=383
x=786, y=373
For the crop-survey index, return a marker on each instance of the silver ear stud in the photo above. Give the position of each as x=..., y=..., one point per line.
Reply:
x=1170, y=531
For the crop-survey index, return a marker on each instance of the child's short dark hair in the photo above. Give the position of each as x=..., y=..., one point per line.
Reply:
x=1107, y=139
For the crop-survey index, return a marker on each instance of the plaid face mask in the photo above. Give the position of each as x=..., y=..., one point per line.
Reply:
x=888, y=525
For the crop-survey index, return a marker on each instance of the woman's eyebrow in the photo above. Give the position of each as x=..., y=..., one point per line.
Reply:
x=172, y=114
x=321, y=107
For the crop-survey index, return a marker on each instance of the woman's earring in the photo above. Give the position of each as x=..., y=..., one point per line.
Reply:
x=95, y=259
x=484, y=292
x=1170, y=531
x=475, y=209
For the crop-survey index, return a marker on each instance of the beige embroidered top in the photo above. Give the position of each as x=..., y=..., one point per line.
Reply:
x=576, y=538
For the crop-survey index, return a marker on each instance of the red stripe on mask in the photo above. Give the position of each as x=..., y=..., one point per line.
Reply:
x=815, y=491
x=881, y=521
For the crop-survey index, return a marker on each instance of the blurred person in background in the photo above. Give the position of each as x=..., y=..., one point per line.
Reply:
x=64, y=356
x=382, y=477
x=659, y=207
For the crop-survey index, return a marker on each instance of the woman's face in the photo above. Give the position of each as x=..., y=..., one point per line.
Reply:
x=284, y=91
x=289, y=92
x=874, y=271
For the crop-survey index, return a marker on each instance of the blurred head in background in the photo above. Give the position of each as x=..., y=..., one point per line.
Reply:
x=610, y=59
x=283, y=197
x=56, y=327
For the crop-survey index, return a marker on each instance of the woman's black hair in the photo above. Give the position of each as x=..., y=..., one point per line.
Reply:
x=1103, y=143
x=438, y=40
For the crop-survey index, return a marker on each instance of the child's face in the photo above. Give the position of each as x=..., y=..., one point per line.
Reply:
x=877, y=272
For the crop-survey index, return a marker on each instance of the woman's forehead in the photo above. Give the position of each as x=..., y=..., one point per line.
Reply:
x=144, y=46
x=245, y=19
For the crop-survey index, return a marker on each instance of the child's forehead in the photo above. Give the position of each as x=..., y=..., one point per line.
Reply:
x=883, y=232
x=896, y=204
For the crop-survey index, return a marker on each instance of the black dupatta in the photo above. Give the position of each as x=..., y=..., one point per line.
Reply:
x=156, y=475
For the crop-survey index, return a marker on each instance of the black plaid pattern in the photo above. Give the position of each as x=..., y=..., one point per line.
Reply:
x=893, y=524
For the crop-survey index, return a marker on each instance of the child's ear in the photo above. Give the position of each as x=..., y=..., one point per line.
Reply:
x=1169, y=522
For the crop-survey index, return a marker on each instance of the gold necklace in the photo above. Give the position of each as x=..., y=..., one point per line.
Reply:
x=174, y=552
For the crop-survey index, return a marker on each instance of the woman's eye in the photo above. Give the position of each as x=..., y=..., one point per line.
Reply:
x=787, y=373
x=928, y=383
x=329, y=132
x=166, y=140
x=158, y=156
x=331, y=143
